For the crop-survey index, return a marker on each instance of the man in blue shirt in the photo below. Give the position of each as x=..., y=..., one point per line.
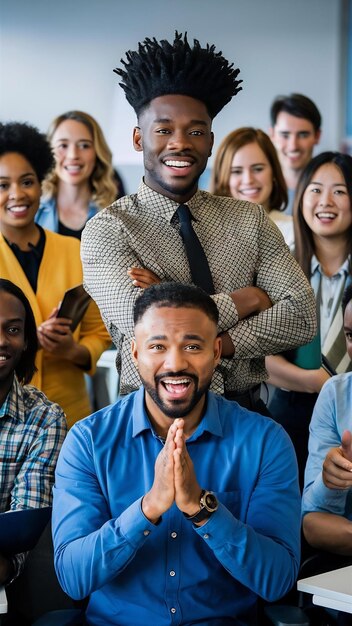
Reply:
x=174, y=505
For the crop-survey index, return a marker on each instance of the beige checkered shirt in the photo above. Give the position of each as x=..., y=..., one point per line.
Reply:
x=243, y=248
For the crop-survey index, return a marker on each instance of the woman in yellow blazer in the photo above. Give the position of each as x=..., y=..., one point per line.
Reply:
x=44, y=265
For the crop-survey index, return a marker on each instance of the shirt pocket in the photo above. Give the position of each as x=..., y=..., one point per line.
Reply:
x=231, y=499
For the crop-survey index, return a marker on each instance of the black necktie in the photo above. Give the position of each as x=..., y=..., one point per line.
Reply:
x=198, y=262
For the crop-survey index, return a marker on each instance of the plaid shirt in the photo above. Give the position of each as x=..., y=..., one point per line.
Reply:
x=32, y=430
x=243, y=248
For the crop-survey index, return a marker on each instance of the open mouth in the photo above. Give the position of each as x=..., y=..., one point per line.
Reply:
x=19, y=210
x=176, y=386
x=325, y=215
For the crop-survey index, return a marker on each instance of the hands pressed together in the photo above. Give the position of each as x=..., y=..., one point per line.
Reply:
x=174, y=478
x=337, y=466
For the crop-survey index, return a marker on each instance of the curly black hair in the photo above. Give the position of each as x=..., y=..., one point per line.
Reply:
x=164, y=68
x=30, y=143
x=175, y=295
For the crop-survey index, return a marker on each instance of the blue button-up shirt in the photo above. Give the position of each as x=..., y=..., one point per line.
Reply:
x=331, y=416
x=174, y=572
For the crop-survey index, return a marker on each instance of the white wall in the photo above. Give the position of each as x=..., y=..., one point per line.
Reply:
x=59, y=55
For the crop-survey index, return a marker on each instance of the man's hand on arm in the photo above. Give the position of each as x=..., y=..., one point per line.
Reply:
x=250, y=301
x=162, y=494
x=142, y=277
x=337, y=466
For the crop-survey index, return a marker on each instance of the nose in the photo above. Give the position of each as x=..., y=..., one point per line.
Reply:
x=326, y=198
x=15, y=191
x=247, y=175
x=292, y=141
x=72, y=150
x=175, y=360
x=3, y=338
x=179, y=141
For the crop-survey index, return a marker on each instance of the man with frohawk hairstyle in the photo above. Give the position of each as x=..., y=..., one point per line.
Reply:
x=265, y=302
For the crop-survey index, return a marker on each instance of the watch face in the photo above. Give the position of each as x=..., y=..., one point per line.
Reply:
x=210, y=501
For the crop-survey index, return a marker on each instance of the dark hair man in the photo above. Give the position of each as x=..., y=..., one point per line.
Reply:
x=174, y=505
x=32, y=428
x=295, y=130
x=174, y=232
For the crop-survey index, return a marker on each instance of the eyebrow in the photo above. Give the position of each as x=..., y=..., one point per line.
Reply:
x=251, y=165
x=67, y=139
x=15, y=320
x=313, y=182
x=188, y=337
x=167, y=120
x=22, y=175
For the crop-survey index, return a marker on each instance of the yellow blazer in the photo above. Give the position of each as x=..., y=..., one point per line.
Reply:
x=60, y=268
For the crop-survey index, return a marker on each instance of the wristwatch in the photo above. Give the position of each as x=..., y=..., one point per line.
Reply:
x=208, y=505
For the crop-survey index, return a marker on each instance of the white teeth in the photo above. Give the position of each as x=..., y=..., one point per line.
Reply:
x=326, y=215
x=179, y=381
x=3, y=358
x=18, y=209
x=177, y=163
x=73, y=168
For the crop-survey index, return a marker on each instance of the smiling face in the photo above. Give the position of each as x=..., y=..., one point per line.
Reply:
x=326, y=205
x=175, y=136
x=74, y=152
x=251, y=175
x=12, y=339
x=176, y=351
x=19, y=195
x=294, y=139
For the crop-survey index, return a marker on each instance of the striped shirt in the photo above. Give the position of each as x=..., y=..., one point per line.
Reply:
x=243, y=248
x=32, y=430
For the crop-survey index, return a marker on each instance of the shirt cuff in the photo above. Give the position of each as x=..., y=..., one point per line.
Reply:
x=134, y=525
x=228, y=316
x=320, y=498
x=220, y=526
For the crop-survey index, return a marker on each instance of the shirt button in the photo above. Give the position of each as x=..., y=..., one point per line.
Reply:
x=146, y=533
x=172, y=573
x=173, y=610
x=174, y=535
x=206, y=536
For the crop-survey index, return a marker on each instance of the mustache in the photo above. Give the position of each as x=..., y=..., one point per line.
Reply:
x=159, y=377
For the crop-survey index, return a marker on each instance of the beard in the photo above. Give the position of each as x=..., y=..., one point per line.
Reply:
x=176, y=408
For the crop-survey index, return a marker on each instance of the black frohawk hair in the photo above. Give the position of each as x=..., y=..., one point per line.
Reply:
x=164, y=68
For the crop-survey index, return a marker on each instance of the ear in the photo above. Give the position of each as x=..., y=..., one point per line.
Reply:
x=137, y=139
x=271, y=133
x=217, y=351
x=212, y=143
x=134, y=352
x=317, y=136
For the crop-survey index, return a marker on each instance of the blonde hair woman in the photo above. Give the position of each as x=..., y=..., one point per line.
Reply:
x=83, y=180
x=247, y=168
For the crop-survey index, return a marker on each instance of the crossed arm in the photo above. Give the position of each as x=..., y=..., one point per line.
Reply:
x=248, y=301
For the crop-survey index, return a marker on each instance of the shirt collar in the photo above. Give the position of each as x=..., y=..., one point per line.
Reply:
x=316, y=267
x=210, y=422
x=13, y=405
x=164, y=206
